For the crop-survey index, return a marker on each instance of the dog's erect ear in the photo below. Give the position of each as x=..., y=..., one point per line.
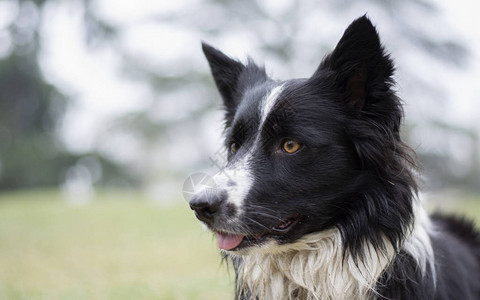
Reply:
x=226, y=72
x=359, y=64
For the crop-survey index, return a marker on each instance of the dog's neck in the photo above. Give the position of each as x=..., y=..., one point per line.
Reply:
x=312, y=268
x=315, y=267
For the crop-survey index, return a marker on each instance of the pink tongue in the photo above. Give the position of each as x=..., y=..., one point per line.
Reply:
x=228, y=241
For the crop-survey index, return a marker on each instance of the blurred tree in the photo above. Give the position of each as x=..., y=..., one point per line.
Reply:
x=31, y=154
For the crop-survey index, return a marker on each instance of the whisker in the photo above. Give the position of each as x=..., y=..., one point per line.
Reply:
x=262, y=214
x=258, y=223
x=261, y=207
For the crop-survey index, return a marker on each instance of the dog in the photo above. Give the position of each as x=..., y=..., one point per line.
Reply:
x=319, y=197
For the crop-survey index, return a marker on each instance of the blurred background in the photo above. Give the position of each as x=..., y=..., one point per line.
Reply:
x=106, y=107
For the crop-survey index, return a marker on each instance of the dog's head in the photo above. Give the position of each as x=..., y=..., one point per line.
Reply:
x=305, y=155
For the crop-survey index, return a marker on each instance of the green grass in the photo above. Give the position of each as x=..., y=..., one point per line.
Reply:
x=118, y=246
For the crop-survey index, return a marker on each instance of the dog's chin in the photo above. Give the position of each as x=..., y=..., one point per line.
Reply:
x=268, y=246
x=273, y=240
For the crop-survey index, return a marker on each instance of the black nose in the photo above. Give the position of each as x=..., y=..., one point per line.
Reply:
x=207, y=205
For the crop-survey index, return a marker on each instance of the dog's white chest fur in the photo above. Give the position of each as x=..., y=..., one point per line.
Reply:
x=312, y=268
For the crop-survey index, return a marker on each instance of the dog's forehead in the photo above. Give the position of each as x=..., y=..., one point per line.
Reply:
x=257, y=103
x=252, y=101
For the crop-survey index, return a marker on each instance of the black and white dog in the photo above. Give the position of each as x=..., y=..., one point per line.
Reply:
x=318, y=198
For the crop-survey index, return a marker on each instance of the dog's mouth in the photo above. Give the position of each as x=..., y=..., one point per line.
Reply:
x=235, y=241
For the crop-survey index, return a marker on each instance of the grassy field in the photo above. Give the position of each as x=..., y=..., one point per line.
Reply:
x=118, y=246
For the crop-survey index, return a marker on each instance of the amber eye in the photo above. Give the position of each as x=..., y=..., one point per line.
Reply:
x=291, y=146
x=233, y=147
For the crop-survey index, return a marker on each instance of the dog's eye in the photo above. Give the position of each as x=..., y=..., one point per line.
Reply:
x=291, y=146
x=233, y=148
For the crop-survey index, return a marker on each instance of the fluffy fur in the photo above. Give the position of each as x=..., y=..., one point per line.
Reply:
x=338, y=217
x=311, y=268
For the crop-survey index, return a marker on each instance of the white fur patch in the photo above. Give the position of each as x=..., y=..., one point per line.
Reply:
x=239, y=175
x=268, y=102
x=312, y=268
x=236, y=181
x=418, y=244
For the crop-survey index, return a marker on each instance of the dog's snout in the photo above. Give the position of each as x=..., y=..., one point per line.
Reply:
x=207, y=205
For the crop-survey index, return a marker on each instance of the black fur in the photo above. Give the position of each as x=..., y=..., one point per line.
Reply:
x=353, y=172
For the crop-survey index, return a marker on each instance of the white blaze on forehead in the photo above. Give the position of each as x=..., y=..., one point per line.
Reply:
x=236, y=181
x=268, y=102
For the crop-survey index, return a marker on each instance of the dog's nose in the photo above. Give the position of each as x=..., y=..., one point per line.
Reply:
x=207, y=205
